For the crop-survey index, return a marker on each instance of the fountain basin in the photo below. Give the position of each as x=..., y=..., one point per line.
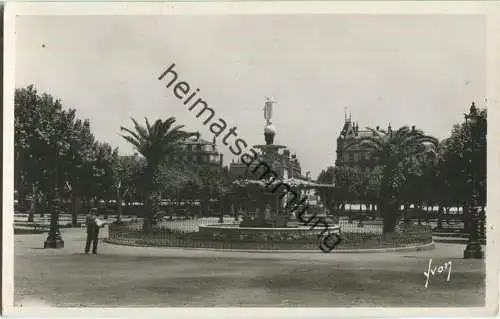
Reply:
x=234, y=232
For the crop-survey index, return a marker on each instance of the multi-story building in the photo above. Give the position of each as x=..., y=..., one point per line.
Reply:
x=283, y=163
x=355, y=156
x=200, y=152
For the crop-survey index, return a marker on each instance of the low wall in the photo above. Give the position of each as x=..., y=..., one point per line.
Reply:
x=407, y=236
x=230, y=232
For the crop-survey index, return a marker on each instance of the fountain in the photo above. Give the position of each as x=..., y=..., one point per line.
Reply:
x=270, y=218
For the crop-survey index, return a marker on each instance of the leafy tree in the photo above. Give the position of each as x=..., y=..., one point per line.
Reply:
x=215, y=185
x=347, y=183
x=369, y=188
x=327, y=176
x=103, y=172
x=420, y=176
x=178, y=182
x=56, y=153
x=78, y=163
x=42, y=143
x=392, y=151
x=126, y=177
x=154, y=142
x=462, y=163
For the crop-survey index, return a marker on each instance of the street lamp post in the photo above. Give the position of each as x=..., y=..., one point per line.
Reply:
x=473, y=249
x=54, y=239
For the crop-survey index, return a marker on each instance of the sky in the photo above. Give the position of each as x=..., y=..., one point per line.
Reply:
x=421, y=70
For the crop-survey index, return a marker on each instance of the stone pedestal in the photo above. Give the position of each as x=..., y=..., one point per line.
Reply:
x=473, y=251
x=54, y=242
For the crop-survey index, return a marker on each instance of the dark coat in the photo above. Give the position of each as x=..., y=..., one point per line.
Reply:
x=92, y=227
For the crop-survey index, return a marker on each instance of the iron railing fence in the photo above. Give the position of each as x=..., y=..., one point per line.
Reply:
x=454, y=223
x=186, y=233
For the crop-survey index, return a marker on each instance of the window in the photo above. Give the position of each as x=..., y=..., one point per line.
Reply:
x=351, y=157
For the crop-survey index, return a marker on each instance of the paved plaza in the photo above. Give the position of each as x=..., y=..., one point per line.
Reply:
x=135, y=276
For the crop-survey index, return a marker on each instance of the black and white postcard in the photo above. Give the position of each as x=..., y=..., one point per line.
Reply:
x=251, y=159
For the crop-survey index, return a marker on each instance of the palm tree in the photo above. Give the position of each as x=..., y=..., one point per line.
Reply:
x=154, y=142
x=394, y=152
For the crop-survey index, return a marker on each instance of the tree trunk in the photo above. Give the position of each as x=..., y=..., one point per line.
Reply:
x=147, y=224
x=419, y=211
x=440, y=217
x=221, y=214
x=76, y=204
x=21, y=199
x=466, y=216
x=31, y=214
x=427, y=213
x=234, y=212
x=42, y=210
x=173, y=203
x=32, y=209
x=389, y=213
x=119, y=208
x=404, y=213
x=150, y=209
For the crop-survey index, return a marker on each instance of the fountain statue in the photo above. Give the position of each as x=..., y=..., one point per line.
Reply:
x=266, y=196
x=269, y=129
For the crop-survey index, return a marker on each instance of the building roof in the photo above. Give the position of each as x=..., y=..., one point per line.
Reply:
x=293, y=182
x=200, y=141
x=351, y=130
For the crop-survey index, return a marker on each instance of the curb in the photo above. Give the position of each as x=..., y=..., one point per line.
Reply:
x=459, y=241
x=425, y=247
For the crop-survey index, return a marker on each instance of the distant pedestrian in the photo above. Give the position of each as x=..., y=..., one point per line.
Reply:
x=93, y=226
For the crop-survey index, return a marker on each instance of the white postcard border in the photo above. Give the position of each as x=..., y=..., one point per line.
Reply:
x=489, y=9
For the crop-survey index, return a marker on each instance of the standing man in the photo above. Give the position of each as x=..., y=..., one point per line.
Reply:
x=93, y=225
